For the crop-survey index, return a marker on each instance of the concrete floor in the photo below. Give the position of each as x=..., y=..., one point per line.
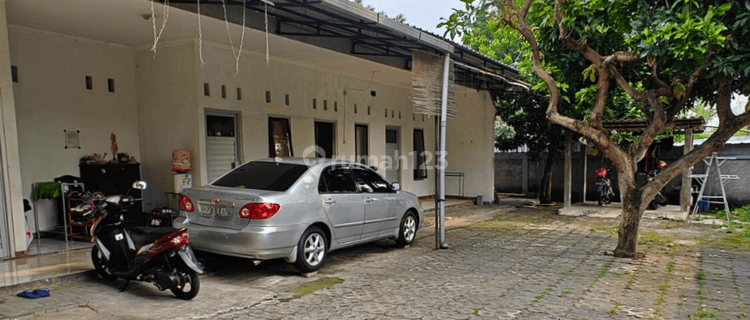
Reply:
x=614, y=209
x=502, y=263
x=51, y=258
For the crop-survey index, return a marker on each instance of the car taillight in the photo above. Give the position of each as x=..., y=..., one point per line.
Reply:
x=186, y=204
x=258, y=210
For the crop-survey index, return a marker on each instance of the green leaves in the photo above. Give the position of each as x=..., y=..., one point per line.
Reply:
x=590, y=73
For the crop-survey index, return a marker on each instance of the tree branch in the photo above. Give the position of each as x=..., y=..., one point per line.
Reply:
x=602, y=88
x=634, y=94
x=654, y=63
x=724, y=102
x=620, y=56
x=685, y=97
x=524, y=9
x=654, y=128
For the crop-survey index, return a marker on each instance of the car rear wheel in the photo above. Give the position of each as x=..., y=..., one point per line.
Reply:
x=408, y=230
x=312, y=250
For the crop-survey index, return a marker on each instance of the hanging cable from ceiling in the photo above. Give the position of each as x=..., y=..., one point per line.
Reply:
x=235, y=53
x=268, y=55
x=200, y=35
x=165, y=16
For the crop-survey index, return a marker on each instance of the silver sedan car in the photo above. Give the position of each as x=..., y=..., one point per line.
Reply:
x=297, y=209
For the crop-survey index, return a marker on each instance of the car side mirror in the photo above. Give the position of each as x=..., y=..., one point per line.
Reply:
x=395, y=186
x=140, y=185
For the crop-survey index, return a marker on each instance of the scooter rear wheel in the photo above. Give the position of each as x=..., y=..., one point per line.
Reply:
x=100, y=264
x=191, y=284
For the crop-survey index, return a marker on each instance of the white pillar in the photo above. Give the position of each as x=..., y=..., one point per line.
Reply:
x=585, y=172
x=441, y=152
x=9, y=156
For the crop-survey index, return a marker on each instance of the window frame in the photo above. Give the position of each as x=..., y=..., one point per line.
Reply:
x=420, y=160
x=271, y=144
x=362, y=158
x=333, y=138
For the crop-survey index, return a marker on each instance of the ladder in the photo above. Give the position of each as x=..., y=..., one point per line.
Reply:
x=703, y=179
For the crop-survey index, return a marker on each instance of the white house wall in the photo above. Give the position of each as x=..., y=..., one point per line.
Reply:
x=51, y=96
x=167, y=109
x=470, y=144
x=158, y=106
x=303, y=84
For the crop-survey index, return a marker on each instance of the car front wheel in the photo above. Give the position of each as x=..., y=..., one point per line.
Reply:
x=408, y=230
x=312, y=250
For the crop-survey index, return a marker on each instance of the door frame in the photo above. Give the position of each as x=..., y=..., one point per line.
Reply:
x=367, y=142
x=398, y=142
x=335, y=137
x=270, y=137
x=6, y=249
x=237, y=128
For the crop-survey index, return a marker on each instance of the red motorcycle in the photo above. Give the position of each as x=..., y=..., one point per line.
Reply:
x=161, y=256
x=604, y=193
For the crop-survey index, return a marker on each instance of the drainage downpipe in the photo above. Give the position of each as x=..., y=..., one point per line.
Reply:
x=441, y=153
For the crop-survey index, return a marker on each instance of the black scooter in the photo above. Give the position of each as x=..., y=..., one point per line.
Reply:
x=161, y=256
x=661, y=198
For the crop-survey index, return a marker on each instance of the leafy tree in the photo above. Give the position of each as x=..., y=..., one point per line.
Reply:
x=524, y=112
x=660, y=55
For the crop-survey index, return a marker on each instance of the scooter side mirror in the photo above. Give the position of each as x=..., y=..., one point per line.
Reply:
x=140, y=185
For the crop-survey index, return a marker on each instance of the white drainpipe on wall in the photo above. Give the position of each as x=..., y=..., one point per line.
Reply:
x=441, y=152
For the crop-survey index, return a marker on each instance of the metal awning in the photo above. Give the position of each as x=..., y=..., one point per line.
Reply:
x=352, y=29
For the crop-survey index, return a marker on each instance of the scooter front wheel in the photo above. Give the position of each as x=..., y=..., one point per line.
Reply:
x=100, y=264
x=190, y=283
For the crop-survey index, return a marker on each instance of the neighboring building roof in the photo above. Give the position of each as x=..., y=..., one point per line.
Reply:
x=732, y=140
x=639, y=125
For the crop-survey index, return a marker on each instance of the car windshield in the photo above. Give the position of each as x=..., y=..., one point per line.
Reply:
x=270, y=176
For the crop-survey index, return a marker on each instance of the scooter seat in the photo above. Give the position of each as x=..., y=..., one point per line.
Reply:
x=145, y=235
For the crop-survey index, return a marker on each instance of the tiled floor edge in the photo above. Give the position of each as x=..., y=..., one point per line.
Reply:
x=41, y=283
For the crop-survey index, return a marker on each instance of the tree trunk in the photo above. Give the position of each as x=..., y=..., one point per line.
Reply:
x=631, y=219
x=545, y=186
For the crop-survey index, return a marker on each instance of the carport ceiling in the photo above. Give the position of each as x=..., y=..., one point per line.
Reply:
x=349, y=28
x=122, y=23
x=337, y=25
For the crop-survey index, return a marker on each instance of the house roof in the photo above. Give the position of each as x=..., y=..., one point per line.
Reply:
x=639, y=125
x=347, y=27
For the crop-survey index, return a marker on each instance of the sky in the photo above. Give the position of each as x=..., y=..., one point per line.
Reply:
x=424, y=14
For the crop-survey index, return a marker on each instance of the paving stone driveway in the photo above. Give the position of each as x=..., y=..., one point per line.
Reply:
x=524, y=264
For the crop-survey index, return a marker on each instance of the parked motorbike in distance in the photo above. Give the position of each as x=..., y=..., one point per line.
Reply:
x=161, y=256
x=604, y=193
x=660, y=199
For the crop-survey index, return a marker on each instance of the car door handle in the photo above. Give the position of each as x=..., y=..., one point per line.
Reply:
x=368, y=200
x=330, y=201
